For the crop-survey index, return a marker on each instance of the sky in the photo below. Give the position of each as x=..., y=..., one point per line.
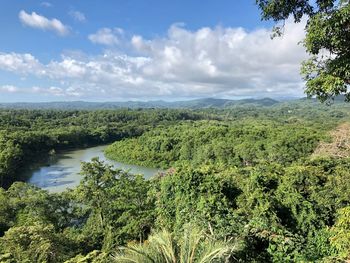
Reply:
x=119, y=50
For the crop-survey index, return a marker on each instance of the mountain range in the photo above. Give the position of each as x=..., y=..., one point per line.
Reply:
x=190, y=104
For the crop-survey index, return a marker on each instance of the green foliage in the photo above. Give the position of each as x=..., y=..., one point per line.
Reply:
x=29, y=134
x=95, y=256
x=327, y=41
x=191, y=246
x=109, y=208
x=114, y=200
x=243, y=143
x=340, y=239
x=204, y=196
x=34, y=243
x=288, y=210
x=242, y=178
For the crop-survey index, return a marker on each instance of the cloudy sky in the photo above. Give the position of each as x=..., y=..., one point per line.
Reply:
x=121, y=50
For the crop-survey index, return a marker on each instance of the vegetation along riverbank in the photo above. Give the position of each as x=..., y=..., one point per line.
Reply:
x=247, y=183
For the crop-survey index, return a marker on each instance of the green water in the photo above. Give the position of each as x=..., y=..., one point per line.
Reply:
x=61, y=171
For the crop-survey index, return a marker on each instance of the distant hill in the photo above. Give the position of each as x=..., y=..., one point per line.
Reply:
x=190, y=104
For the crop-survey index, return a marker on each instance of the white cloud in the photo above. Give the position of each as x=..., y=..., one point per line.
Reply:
x=78, y=16
x=106, y=36
x=51, y=91
x=46, y=4
x=41, y=22
x=35, y=90
x=8, y=89
x=21, y=63
x=209, y=62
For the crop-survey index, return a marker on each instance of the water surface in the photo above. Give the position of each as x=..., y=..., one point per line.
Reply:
x=61, y=171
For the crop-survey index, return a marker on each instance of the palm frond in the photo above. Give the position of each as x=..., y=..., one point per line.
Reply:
x=163, y=247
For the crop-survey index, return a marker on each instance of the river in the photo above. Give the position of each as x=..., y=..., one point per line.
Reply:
x=61, y=171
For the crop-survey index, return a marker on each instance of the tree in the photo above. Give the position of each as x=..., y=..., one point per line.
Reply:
x=116, y=204
x=327, y=71
x=193, y=246
x=35, y=243
x=203, y=196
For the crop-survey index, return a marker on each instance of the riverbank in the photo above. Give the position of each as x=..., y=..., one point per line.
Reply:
x=61, y=170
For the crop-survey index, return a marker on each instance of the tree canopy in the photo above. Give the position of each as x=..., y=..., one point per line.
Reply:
x=245, y=184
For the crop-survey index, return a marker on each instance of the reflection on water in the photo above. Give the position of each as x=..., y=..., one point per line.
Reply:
x=61, y=170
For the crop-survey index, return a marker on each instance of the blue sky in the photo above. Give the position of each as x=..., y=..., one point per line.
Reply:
x=143, y=50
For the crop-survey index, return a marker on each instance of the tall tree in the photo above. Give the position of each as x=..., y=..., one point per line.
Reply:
x=327, y=40
x=116, y=204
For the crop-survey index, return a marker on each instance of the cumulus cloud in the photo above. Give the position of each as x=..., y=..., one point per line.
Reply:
x=231, y=59
x=209, y=62
x=41, y=22
x=106, y=36
x=78, y=16
x=20, y=63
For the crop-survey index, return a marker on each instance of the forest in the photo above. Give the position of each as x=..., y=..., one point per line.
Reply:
x=25, y=134
x=256, y=180
x=243, y=183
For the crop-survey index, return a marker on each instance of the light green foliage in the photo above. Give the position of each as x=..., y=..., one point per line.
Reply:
x=341, y=233
x=191, y=246
x=95, y=256
x=243, y=143
x=34, y=243
x=205, y=196
x=289, y=209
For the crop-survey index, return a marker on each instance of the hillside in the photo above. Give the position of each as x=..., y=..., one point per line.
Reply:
x=339, y=145
x=190, y=104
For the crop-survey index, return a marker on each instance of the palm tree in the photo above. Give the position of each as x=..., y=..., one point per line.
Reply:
x=163, y=247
